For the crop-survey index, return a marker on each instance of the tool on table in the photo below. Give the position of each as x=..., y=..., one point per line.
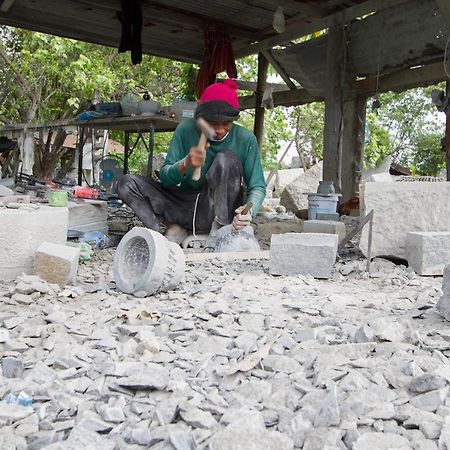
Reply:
x=228, y=239
x=207, y=132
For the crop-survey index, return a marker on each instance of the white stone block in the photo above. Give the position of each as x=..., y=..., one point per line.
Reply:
x=428, y=252
x=57, y=263
x=23, y=231
x=325, y=226
x=403, y=207
x=303, y=253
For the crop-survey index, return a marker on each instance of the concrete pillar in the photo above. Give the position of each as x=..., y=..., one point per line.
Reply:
x=352, y=146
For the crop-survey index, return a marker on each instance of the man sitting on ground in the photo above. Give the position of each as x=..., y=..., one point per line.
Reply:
x=231, y=170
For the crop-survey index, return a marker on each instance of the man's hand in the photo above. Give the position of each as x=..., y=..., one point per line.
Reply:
x=195, y=158
x=240, y=221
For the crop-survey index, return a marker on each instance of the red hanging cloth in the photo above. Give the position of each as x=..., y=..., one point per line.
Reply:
x=217, y=57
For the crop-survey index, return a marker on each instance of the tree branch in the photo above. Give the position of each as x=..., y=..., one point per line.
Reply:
x=20, y=78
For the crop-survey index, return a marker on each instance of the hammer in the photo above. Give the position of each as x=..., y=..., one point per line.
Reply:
x=207, y=133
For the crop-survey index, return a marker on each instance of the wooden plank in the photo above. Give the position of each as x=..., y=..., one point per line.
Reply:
x=397, y=82
x=133, y=123
x=353, y=146
x=279, y=69
x=303, y=29
x=284, y=98
x=258, y=128
x=403, y=80
x=251, y=85
x=332, y=134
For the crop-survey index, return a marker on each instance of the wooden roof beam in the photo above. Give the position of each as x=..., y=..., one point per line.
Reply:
x=395, y=82
x=279, y=69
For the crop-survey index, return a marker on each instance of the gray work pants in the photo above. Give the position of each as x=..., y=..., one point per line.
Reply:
x=220, y=196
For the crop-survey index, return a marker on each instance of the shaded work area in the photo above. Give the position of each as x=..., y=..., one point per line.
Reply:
x=370, y=47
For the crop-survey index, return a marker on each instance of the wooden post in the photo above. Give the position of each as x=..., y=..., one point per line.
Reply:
x=353, y=146
x=447, y=136
x=332, y=136
x=258, y=128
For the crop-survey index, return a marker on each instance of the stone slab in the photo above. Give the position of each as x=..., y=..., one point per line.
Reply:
x=303, y=253
x=57, y=263
x=325, y=226
x=400, y=208
x=89, y=215
x=428, y=252
x=229, y=256
x=23, y=231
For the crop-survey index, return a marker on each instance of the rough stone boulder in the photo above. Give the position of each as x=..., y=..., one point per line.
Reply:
x=403, y=207
x=284, y=177
x=293, y=197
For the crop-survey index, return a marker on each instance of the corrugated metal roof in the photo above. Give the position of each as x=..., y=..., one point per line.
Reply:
x=171, y=28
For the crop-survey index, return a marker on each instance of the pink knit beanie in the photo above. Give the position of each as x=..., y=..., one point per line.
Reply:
x=219, y=102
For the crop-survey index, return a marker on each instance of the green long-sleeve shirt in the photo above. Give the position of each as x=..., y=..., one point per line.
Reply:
x=239, y=140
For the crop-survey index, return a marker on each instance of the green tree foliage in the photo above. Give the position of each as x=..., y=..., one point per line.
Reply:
x=307, y=122
x=408, y=127
x=47, y=78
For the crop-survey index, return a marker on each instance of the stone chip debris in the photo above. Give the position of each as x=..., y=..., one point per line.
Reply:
x=234, y=359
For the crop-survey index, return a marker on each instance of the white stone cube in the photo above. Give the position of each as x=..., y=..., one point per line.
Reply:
x=303, y=253
x=400, y=208
x=428, y=252
x=23, y=231
x=325, y=226
x=57, y=263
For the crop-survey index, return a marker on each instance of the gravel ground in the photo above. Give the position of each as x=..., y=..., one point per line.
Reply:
x=234, y=359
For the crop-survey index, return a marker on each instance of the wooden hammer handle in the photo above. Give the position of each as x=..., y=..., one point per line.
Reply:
x=198, y=170
x=247, y=208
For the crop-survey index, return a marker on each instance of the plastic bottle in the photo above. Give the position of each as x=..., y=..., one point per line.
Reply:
x=95, y=238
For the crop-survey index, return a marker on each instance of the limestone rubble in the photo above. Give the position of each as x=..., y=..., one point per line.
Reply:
x=235, y=359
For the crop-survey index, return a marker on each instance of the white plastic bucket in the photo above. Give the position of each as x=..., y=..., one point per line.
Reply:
x=321, y=204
